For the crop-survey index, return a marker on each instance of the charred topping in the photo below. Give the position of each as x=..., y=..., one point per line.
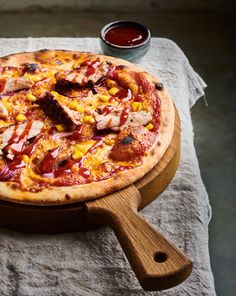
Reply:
x=93, y=90
x=159, y=86
x=127, y=140
x=31, y=68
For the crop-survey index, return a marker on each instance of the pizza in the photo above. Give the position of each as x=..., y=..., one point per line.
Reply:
x=76, y=126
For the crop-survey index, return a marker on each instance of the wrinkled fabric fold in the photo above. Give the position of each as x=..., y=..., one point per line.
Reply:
x=92, y=262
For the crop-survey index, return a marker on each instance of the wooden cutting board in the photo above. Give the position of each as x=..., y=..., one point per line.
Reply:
x=157, y=263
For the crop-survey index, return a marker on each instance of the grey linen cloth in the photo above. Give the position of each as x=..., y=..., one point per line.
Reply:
x=92, y=262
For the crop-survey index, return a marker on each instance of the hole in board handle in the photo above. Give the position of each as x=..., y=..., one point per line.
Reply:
x=160, y=257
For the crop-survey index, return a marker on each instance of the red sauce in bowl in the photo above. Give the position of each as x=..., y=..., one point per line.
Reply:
x=125, y=35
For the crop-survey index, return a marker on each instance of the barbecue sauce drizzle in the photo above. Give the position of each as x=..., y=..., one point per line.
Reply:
x=91, y=67
x=124, y=116
x=17, y=142
x=46, y=165
x=12, y=167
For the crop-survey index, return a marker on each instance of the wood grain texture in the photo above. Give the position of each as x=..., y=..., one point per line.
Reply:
x=157, y=263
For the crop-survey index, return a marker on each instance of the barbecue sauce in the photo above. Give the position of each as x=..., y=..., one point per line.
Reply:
x=125, y=35
x=91, y=67
x=46, y=165
x=124, y=116
x=124, y=94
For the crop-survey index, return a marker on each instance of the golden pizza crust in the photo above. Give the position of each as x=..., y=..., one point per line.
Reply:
x=77, y=193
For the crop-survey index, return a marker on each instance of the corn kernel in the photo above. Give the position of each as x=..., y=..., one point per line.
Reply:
x=25, y=158
x=31, y=98
x=76, y=155
x=21, y=117
x=110, y=83
x=84, y=146
x=89, y=119
x=54, y=93
x=77, y=146
x=79, y=108
x=32, y=76
x=104, y=98
x=149, y=126
x=136, y=106
x=61, y=127
x=112, y=91
x=27, y=75
x=73, y=104
x=27, y=181
x=109, y=141
x=50, y=74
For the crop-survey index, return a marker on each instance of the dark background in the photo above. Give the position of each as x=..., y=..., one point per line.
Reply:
x=205, y=31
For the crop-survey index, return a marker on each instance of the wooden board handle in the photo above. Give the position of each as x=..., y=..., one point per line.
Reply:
x=157, y=263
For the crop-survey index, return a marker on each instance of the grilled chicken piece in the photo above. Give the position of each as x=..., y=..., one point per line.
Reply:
x=14, y=137
x=132, y=142
x=3, y=111
x=54, y=108
x=35, y=129
x=15, y=84
x=118, y=119
x=88, y=73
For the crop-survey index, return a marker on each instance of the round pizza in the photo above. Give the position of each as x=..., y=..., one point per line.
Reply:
x=77, y=126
